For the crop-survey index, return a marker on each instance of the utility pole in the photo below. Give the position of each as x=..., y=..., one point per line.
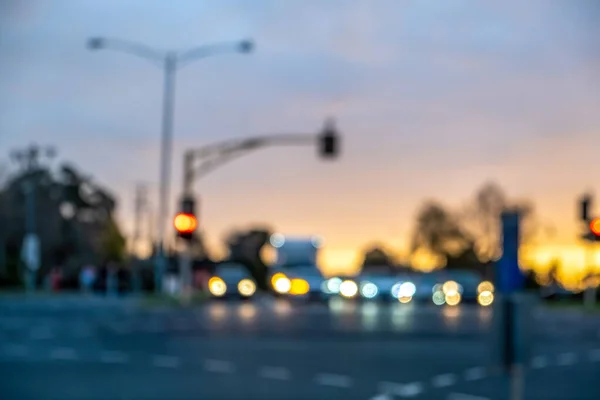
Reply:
x=591, y=235
x=140, y=203
x=29, y=160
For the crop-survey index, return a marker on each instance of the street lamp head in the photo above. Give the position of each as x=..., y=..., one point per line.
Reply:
x=246, y=46
x=95, y=43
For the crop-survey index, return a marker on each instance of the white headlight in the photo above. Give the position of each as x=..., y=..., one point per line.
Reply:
x=407, y=289
x=348, y=289
x=333, y=285
x=246, y=287
x=368, y=290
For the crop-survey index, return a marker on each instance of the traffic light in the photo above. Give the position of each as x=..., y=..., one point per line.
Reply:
x=185, y=222
x=329, y=141
x=586, y=202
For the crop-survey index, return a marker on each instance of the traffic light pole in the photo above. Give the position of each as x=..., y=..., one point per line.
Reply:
x=200, y=162
x=589, y=294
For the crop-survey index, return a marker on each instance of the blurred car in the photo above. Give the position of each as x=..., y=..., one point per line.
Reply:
x=371, y=285
x=298, y=281
x=231, y=280
x=456, y=287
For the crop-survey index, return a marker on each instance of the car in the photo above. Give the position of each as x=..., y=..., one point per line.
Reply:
x=231, y=280
x=373, y=284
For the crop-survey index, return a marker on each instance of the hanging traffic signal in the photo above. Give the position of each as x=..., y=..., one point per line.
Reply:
x=585, y=204
x=185, y=222
x=329, y=141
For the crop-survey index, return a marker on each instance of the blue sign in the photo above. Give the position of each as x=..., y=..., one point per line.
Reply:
x=510, y=277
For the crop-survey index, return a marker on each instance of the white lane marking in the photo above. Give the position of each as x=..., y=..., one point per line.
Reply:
x=221, y=366
x=278, y=373
x=383, y=396
x=63, y=353
x=443, y=380
x=166, y=362
x=41, y=333
x=464, y=396
x=114, y=357
x=475, y=373
x=16, y=350
x=539, y=362
x=565, y=359
x=340, y=381
x=594, y=355
x=403, y=390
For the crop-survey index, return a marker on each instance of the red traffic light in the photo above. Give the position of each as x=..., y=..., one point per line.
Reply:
x=595, y=226
x=185, y=223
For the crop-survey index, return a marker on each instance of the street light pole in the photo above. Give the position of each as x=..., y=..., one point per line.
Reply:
x=170, y=62
x=170, y=68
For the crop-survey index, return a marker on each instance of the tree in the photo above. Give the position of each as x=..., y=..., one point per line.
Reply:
x=481, y=219
x=245, y=247
x=75, y=221
x=376, y=256
x=438, y=231
x=113, y=243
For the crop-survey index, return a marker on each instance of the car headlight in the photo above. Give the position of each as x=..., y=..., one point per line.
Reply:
x=348, y=289
x=485, y=298
x=368, y=290
x=299, y=287
x=246, y=287
x=217, y=286
x=485, y=286
x=281, y=284
x=453, y=298
x=451, y=287
x=404, y=290
x=332, y=285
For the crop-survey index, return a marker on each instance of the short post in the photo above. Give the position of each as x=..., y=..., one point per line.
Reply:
x=512, y=312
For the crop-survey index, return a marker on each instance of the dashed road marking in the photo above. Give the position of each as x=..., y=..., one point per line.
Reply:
x=383, y=396
x=166, y=362
x=220, y=366
x=403, y=390
x=41, y=333
x=114, y=357
x=539, y=362
x=443, y=380
x=340, y=381
x=15, y=350
x=63, y=353
x=278, y=373
x=594, y=355
x=464, y=396
x=565, y=359
x=475, y=373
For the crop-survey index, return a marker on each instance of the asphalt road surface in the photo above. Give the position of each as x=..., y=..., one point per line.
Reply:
x=74, y=348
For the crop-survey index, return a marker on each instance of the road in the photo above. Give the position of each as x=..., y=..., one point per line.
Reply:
x=69, y=348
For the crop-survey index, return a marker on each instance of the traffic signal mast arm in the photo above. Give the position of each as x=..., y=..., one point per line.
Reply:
x=202, y=161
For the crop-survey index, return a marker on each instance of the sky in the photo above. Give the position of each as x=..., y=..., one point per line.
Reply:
x=433, y=98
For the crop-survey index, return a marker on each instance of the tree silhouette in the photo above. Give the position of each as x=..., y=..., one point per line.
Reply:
x=74, y=221
x=438, y=231
x=245, y=248
x=376, y=256
x=481, y=219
